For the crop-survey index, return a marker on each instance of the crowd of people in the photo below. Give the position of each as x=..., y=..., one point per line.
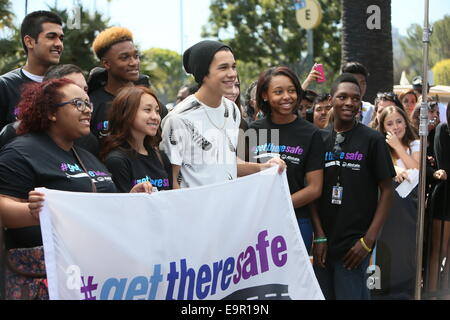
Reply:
x=343, y=156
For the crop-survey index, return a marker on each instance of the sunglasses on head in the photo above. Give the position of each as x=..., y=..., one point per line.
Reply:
x=387, y=95
x=337, y=149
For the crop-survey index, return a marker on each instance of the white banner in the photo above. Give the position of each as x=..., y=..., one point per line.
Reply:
x=234, y=240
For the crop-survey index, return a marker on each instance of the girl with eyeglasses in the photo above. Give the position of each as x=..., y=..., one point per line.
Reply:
x=291, y=138
x=53, y=115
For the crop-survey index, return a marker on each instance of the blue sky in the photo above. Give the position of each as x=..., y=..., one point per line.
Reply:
x=156, y=23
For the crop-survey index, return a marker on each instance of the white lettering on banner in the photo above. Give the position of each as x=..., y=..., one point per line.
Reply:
x=176, y=244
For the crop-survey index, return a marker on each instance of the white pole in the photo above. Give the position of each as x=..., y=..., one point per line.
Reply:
x=423, y=133
x=181, y=28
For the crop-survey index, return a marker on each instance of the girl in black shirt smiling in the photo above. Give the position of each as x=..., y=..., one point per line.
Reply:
x=299, y=143
x=130, y=151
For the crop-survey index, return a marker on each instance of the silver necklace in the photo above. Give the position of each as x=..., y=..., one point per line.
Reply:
x=212, y=122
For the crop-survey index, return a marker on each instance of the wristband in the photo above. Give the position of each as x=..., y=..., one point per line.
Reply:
x=364, y=245
x=320, y=240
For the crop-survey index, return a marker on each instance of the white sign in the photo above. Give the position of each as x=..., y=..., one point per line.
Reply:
x=234, y=240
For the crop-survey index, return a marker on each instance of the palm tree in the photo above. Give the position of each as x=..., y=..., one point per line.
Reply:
x=371, y=47
x=6, y=15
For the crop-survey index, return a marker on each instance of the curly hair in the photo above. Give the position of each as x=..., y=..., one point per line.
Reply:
x=109, y=37
x=120, y=120
x=37, y=102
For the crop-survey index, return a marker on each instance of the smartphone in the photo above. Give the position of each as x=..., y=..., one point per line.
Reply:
x=319, y=67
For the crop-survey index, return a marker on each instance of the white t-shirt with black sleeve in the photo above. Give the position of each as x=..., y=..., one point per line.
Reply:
x=202, y=140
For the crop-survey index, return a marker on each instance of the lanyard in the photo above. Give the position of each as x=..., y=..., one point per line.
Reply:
x=347, y=137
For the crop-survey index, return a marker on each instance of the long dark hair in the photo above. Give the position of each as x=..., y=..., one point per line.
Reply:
x=410, y=134
x=120, y=120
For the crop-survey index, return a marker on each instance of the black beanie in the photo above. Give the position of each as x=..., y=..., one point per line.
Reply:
x=196, y=59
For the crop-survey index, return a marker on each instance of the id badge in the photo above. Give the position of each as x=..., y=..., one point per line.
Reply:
x=336, y=196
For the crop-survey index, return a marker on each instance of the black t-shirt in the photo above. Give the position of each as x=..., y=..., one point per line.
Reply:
x=8, y=133
x=363, y=163
x=442, y=152
x=11, y=84
x=102, y=101
x=89, y=142
x=34, y=160
x=300, y=146
x=130, y=168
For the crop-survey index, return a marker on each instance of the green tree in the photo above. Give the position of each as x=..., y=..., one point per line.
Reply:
x=412, y=46
x=266, y=33
x=6, y=15
x=78, y=41
x=442, y=72
x=412, y=51
x=11, y=53
x=166, y=72
x=371, y=46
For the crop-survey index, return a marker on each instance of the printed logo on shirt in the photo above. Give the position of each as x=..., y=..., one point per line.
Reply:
x=102, y=127
x=273, y=150
x=69, y=167
x=339, y=160
x=159, y=183
x=270, y=147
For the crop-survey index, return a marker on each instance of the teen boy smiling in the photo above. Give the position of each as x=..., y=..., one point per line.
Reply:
x=200, y=135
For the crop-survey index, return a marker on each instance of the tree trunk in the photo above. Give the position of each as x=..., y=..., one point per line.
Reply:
x=371, y=47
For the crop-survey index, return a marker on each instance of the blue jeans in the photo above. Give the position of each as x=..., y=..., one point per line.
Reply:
x=306, y=231
x=338, y=283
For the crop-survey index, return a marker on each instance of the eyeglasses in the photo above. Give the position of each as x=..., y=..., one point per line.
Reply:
x=80, y=104
x=432, y=105
x=337, y=149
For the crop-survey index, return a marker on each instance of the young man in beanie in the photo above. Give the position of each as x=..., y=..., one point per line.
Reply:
x=200, y=135
x=42, y=39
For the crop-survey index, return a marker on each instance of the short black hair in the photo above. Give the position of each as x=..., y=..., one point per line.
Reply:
x=61, y=70
x=345, y=77
x=355, y=68
x=32, y=24
x=192, y=88
x=321, y=98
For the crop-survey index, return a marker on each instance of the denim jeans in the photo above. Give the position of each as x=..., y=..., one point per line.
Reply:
x=306, y=231
x=338, y=283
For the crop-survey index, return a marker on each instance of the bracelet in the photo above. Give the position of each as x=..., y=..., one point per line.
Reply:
x=364, y=245
x=320, y=240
